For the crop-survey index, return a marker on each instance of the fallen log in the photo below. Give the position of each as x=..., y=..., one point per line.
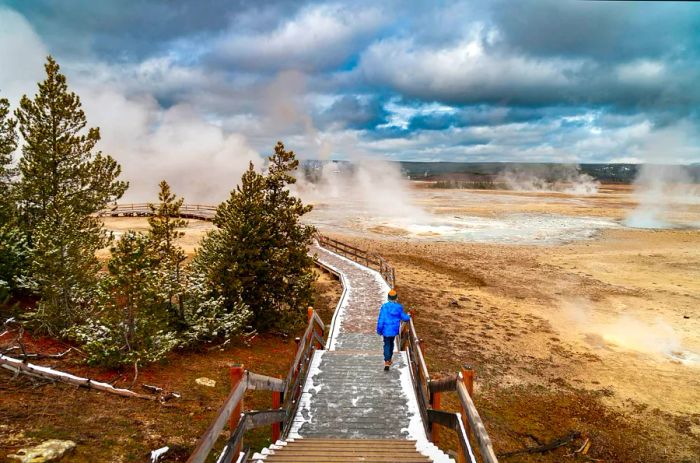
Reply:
x=18, y=366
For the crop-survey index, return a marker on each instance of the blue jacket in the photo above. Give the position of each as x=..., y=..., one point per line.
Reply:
x=390, y=316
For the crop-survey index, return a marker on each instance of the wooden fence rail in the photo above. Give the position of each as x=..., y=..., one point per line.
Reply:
x=188, y=211
x=286, y=394
x=361, y=256
x=428, y=393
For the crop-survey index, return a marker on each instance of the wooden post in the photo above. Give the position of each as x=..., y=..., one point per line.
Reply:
x=237, y=373
x=276, y=403
x=468, y=380
x=435, y=405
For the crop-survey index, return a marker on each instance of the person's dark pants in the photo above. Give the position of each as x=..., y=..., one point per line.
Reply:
x=388, y=347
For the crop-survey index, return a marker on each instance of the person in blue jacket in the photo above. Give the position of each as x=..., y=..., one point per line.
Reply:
x=389, y=324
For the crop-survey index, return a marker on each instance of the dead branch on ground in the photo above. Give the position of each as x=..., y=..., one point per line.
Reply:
x=552, y=445
x=39, y=356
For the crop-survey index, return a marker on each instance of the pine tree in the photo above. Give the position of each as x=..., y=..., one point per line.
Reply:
x=258, y=254
x=8, y=144
x=207, y=315
x=133, y=324
x=13, y=243
x=62, y=182
x=293, y=275
x=164, y=225
x=14, y=252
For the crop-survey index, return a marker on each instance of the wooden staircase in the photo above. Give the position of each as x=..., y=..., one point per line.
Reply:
x=343, y=451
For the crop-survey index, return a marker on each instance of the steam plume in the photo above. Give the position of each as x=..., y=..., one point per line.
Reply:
x=563, y=178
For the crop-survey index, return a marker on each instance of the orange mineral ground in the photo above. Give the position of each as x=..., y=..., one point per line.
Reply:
x=573, y=320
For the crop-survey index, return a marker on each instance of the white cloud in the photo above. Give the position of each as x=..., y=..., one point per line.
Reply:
x=400, y=115
x=469, y=70
x=319, y=37
x=641, y=71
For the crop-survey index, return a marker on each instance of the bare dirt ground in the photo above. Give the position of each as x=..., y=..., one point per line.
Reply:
x=194, y=232
x=599, y=336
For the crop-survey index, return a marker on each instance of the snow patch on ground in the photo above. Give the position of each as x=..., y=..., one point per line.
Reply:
x=303, y=414
x=340, y=309
x=415, y=427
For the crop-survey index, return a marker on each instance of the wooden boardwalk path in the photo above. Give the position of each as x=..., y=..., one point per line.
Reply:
x=347, y=394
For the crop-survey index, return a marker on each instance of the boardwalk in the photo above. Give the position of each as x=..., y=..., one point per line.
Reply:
x=347, y=394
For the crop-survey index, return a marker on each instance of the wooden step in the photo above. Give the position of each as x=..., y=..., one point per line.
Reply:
x=346, y=451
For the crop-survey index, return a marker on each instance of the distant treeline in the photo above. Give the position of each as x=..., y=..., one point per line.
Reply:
x=487, y=175
x=488, y=172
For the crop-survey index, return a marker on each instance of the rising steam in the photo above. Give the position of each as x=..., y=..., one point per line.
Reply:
x=562, y=178
x=367, y=187
x=664, y=193
x=626, y=332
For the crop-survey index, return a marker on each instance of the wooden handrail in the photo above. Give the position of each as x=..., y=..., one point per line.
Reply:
x=409, y=341
x=211, y=435
x=419, y=351
x=453, y=421
x=249, y=420
x=258, y=382
x=475, y=423
x=196, y=211
x=299, y=367
x=443, y=385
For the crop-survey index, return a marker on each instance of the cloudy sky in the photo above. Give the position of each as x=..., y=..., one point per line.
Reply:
x=219, y=81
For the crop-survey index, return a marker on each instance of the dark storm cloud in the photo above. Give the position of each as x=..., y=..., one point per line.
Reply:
x=423, y=78
x=133, y=29
x=610, y=31
x=349, y=111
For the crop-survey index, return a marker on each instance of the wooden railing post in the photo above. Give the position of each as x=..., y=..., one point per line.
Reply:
x=435, y=404
x=276, y=403
x=237, y=372
x=467, y=377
